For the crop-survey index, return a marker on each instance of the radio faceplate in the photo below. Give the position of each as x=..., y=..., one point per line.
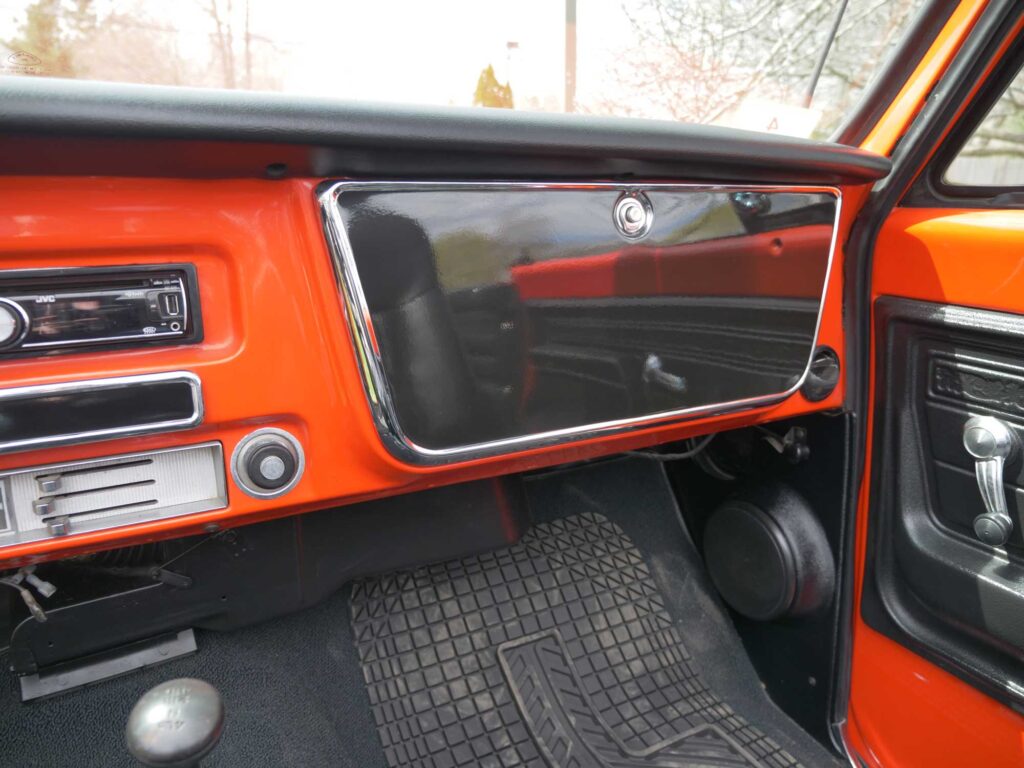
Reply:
x=63, y=310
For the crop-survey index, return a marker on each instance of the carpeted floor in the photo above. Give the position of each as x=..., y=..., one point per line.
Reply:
x=295, y=695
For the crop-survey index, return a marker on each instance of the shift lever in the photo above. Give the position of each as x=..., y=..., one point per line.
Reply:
x=991, y=443
x=176, y=724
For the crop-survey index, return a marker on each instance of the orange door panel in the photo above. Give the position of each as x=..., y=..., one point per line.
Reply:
x=904, y=710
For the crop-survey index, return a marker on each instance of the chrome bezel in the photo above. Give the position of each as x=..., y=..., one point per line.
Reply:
x=630, y=200
x=25, y=321
x=368, y=355
x=91, y=385
x=145, y=515
x=182, y=291
x=247, y=443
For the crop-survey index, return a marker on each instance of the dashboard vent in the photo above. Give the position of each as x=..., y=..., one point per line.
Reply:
x=61, y=499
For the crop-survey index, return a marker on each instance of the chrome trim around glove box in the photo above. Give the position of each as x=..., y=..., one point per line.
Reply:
x=378, y=389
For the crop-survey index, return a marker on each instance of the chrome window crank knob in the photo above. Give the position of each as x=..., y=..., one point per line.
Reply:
x=992, y=443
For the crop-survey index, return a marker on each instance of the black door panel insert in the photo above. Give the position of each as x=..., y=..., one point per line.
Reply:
x=930, y=583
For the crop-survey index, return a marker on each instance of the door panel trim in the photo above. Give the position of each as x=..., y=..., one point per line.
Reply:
x=959, y=61
x=975, y=633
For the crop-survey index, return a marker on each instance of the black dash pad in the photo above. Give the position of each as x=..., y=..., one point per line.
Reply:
x=556, y=651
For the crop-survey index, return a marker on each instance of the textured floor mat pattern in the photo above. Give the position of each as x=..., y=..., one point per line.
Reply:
x=557, y=651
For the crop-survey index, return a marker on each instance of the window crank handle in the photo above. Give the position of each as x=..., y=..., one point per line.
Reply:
x=992, y=443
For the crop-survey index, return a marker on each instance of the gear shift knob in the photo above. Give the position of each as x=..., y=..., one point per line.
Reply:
x=176, y=724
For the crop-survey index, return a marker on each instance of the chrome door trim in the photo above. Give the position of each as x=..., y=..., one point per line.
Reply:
x=91, y=385
x=375, y=383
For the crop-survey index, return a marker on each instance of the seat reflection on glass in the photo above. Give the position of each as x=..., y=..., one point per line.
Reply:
x=504, y=312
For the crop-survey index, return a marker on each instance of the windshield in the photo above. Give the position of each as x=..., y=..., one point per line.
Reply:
x=741, y=63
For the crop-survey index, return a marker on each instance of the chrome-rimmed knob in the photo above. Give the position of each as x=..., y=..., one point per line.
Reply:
x=267, y=463
x=633, y=215
x=992, y=443
x=14, y=323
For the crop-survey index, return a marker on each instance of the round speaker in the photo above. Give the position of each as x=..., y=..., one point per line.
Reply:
x=767, y=554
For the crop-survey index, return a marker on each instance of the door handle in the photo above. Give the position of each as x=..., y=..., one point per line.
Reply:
x=655, y=374
x=992, y=443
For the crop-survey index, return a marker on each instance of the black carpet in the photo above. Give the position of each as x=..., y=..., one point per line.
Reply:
x=295, y=695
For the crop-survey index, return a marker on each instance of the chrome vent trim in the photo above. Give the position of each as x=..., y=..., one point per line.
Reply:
x=14, y=394
x=80, y=496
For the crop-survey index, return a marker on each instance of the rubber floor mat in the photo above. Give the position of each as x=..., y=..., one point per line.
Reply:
x=557, y=651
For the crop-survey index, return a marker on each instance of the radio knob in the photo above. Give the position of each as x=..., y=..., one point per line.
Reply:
x=270, y=466
x=12, y=323
x=267, y=463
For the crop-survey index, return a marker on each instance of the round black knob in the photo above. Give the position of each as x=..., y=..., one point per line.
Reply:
x=270, y=466
x=175, y=724
x=822, y=376
x=267, y=463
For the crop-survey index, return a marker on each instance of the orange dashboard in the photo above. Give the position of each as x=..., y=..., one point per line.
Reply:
x=276, y=350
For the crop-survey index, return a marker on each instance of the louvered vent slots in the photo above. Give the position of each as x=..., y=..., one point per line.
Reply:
x=81, y=492
x=84, y=496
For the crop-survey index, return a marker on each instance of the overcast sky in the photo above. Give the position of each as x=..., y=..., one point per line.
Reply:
x=424, y=51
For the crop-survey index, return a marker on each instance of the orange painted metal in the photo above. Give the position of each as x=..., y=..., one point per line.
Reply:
x=903, y=710
x=969, y=257
x=904, y=108
x=276, y=351
x=908, y=713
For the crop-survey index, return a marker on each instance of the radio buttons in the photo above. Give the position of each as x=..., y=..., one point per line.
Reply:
x=59, y=526
x=13, y=323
